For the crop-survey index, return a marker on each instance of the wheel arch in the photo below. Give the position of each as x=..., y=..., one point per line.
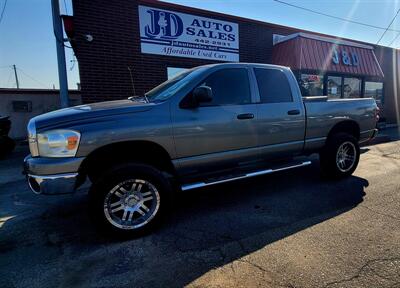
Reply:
x=347, y=126
x=145, y=152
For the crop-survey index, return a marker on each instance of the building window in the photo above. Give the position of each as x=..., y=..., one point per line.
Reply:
x=173, y=71
x=334, y=85
x=351, y=87
x=311, y=84
x=374, y=90
x=273, y=86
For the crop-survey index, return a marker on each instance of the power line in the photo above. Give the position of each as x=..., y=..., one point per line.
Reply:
x=33, y=79
x=24, y=73
x=394, y=40
x=9, y=78
x=336, y=17
x=390, y=24
x=9, y=75
x=4, y=9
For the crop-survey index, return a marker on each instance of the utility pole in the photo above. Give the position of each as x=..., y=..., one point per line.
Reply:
x=16, y=76
x=62, y=69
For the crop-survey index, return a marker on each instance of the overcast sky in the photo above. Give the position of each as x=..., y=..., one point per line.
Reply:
x=26, y=35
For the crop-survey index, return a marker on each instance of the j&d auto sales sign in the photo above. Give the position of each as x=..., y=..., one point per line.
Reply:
x=170, y=33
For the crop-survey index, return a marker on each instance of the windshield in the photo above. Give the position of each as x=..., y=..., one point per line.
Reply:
x=171, y=86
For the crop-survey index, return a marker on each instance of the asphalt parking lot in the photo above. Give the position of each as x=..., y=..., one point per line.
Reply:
x=291, y=229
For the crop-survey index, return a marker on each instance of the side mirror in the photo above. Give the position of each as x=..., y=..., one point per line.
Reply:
x=202, y=94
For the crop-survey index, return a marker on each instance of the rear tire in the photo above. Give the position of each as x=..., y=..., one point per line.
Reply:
x=340, y=157
x=129, y=200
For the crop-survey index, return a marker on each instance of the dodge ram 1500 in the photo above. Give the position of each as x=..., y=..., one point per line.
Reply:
x=208, y=125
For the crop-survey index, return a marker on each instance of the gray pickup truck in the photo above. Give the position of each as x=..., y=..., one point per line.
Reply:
x=208, y=125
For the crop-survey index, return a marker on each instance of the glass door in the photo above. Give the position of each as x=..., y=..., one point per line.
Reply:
x=334, y=87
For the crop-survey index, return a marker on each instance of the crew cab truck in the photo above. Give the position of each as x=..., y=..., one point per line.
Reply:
x=208, y=125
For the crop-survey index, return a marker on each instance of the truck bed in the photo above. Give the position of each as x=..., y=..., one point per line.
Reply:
x=323, y=113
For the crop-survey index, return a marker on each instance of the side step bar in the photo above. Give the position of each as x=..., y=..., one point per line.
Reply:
x=186, y=187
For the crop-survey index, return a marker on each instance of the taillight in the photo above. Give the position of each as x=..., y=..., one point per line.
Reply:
x=377, y=110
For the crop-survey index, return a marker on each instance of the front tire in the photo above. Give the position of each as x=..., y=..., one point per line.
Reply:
x=129, y=200
x=340, y=156
x=7, y=145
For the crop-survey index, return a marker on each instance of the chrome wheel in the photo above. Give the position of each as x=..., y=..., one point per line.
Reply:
x=346, y=156
x=131, y=204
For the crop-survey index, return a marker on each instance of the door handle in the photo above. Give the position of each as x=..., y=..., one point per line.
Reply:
x=245, y=116
x=293, y=112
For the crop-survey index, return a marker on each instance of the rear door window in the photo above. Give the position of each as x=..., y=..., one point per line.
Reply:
x=273, y=86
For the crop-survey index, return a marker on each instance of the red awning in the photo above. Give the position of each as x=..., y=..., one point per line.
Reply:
x=303, y=51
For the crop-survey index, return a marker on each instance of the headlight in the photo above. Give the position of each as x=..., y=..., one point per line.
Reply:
x=32, y=138
x=58, y=143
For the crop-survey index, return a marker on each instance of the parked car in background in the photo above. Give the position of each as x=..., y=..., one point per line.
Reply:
x=6, y=143
x=208, y=125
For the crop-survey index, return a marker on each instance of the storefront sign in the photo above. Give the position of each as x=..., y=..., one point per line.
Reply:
x=313, y=78
x=349, y=59
x=168, y=33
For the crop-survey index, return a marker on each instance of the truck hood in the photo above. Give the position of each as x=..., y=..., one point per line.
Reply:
x=90, y=111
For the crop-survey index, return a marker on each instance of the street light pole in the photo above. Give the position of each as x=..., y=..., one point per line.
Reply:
x=62, y=69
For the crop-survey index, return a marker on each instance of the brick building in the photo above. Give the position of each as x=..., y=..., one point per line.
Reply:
x=128, y=47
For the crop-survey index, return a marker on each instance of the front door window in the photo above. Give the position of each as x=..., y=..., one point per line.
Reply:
x=229, y=87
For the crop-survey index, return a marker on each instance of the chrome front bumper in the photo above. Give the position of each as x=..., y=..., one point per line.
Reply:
x=53, y=175
x=53, y=184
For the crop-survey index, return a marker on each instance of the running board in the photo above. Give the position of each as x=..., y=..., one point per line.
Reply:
x=186, y=187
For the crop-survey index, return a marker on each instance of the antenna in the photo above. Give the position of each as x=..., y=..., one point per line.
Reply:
x=133, y=84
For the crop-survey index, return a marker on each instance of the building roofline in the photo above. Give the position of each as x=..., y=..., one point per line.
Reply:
x=34, y=91
x=325, y=39
x=189, y=9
